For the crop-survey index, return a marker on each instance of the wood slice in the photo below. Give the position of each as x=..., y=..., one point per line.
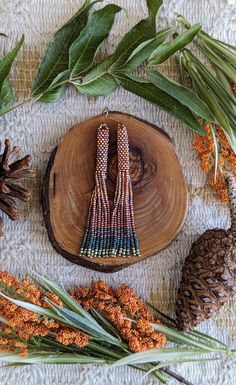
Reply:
x=160, y=194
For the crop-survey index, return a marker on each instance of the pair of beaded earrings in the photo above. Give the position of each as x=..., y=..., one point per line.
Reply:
x=111, y=233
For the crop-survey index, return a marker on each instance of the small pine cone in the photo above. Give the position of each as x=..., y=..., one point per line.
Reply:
x=208, y=278
x=11, y=175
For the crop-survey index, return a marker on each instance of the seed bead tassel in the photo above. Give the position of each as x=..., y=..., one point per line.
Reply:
x=96, y=242
x=123, y=232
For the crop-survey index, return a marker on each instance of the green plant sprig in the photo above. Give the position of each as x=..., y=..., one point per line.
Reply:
x=6, y=91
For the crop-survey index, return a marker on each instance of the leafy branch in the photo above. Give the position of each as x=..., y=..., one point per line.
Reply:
x=72, y=59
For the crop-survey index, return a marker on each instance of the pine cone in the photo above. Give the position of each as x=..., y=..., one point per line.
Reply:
x=209, y=273
x=10, y=186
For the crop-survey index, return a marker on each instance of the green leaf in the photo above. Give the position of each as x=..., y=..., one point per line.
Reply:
x=158, y=355
x=84, y=48
x=225, y=52
x=6, y=97
x=83, y=324
x=212, y=82
x=7, y=60
x=105, y=323
x=56, y=88
x=161, y=99
x=141, y=32
x=98, y=82
x=167, y=49
x=66, y=299
x=50, y=358
x=209, y=97
x=34, y=308
x=101, y=85
x=182, y=94
x=144, y=50
x=183, y=338
x=222, y=64
x=3, y=34
x=56, y=57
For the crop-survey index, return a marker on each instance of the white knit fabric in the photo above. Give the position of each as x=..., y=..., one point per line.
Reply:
x=37, y=128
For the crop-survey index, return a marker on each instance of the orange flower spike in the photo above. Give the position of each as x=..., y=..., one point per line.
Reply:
x=101, y=286
x=81, y=292
x=67, y=336
x=144, y=326
x=8, y=279
x=55, y=299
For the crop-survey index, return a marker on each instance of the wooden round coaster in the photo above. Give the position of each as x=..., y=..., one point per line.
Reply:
x=160, y=193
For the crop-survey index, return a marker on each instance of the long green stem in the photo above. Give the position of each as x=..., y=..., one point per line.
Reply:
x=15, y=107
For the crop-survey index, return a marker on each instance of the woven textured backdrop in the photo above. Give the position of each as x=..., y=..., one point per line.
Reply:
x=37, y=128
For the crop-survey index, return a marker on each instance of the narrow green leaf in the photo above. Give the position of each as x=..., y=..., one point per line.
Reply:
x=144, y=50
x=6, y=97
x=222, y=64
x=50, y=358
x=225, y=83
x=84, y=48
x=212, y=82
x=180, y=361
x=3, y=34
x=182, y=94
x=81, y=323
x=225, y=52
x=66, y=299
x=34, y=308
x=98, y=347
x=56, y=57
x=209, y=97
x=161, y=99
x=183, y=338
x=157, y=355
x=7, y=60
x=105, y=323
x=167, y=49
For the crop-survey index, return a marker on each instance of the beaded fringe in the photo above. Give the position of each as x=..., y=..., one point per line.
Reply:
x=111, y=235
x=96, y=242
x=124, y=241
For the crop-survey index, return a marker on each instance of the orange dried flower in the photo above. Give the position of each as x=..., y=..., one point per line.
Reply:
x=67, y=336
x=226, y=159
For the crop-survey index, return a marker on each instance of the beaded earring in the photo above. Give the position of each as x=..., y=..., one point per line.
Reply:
x=111, y=234
x=123, y=234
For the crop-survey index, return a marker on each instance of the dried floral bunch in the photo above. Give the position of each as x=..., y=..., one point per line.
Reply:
x=11, y=174
x=224, y=163
x=42, y=323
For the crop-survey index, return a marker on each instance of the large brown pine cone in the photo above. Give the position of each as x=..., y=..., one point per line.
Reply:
x=208, y=278
x=12, y=173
